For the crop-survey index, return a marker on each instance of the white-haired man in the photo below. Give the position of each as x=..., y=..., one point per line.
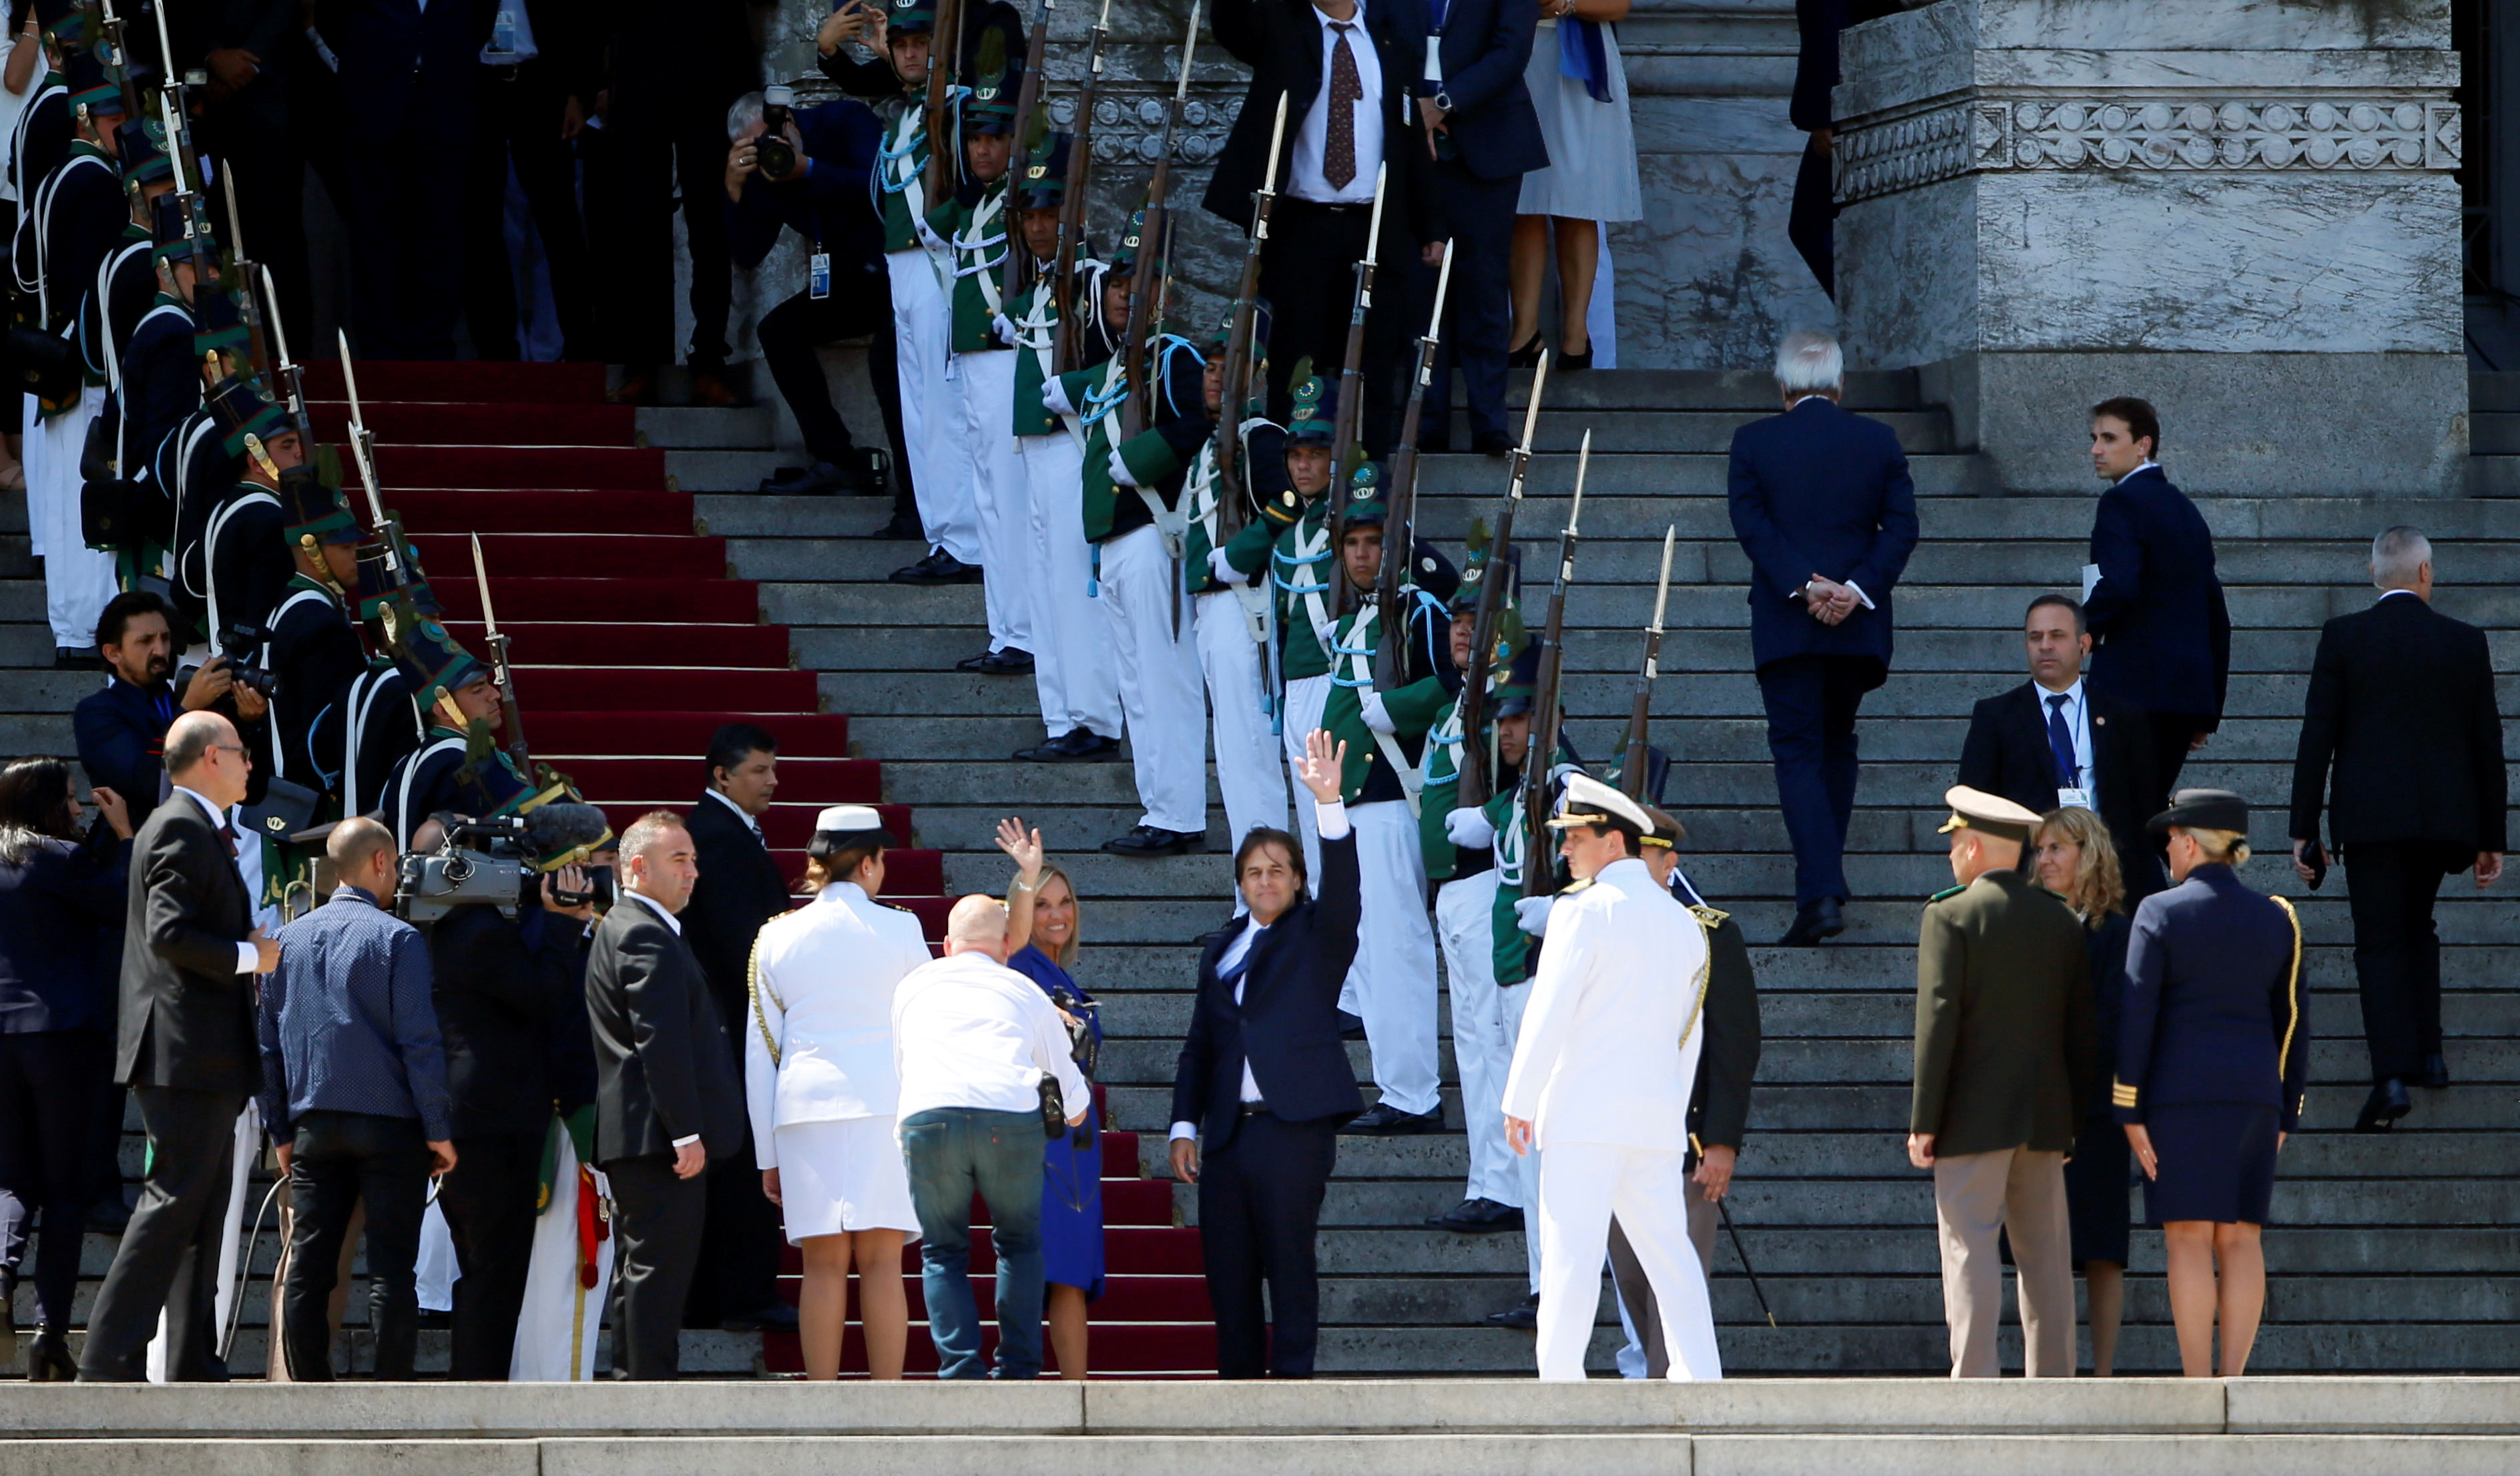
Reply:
x=1823, y=503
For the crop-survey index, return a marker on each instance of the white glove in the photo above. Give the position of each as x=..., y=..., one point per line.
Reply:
x=1221, y=569
x=1469, y=828
x=1376, y=716
x=1531, y=914
x=1121, y=476
x=930, y=238
x=1005, y=328
x=1054, y=399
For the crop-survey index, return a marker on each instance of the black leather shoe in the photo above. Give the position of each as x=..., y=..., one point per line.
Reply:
x=48, y=1358
x=76, y=659
x=900, y=530
x=1351, y=1026
x=1077, y=745
x=1155, y=841
x=1014, y=661
x=1524, y=1315
x=939, y=567
x=2381, y=1110
x=2436, y=1074
x=1492, y=443
x=1477, y=1217
x=819, y=479
x=778, y=1317
x=108, y=1216
x=1383, y=1120
x=1824, y=918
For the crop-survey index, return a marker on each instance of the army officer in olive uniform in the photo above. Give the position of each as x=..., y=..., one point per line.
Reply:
x=2003, y=1064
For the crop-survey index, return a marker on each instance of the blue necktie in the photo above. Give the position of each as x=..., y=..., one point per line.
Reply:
x=2061, y=742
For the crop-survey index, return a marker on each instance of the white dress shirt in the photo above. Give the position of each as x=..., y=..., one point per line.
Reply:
x=1617, y=984
x=1304, y=177
x=2078, y=722
x=751, y=822
x=822, y=982
x=249, y=957
x=969, y=1032
x=2149, y=465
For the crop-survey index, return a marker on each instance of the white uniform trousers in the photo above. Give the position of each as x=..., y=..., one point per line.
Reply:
x=77, y=580
x=1394, y=975
x=1584, y=1184
x=1249, y=774
x=1482, y=1047
x=985, y=384
x=1307, y=698
x=1072, y=670
x=1160, y=695
x=1511, y=1001
x=930, y=429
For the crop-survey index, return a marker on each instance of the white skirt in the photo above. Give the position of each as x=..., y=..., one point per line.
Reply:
x=837, y=1177
x=1592, y=172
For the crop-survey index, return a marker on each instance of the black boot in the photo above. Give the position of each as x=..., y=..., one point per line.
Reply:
x=48, y=1357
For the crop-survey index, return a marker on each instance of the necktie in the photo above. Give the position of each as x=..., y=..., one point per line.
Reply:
x=228, y=835
x=1339, y=149
x=2060, y=740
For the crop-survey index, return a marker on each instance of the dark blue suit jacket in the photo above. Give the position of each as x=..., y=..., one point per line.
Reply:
x=1817, y=490
x=387, y=46
x=2163, y=632
x=61, y=953
x=1486, y=44
x=122, y=734
x=1288, y=1024
x=2213, y=1009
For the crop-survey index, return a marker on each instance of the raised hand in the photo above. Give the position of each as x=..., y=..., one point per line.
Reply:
x=1023, y=847
x=1325, y=766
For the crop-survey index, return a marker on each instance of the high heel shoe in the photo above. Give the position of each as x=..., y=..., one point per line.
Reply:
x=1525, y=356
x=48, y=1358
x=1565, y=362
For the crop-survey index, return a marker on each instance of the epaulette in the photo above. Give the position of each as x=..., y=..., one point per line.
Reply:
x=1948, y=891
x=1572, y=888
x=1709, y=918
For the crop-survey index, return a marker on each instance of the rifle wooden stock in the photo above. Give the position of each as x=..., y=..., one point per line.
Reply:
x=944, y=60
x=1027, y=100
x=1344, y=422
x=1138, y=409
x=1232, y=497
x=1631, y=765
x=1399, y=504
x=1538, y=866
x=1478, y=778
x=1072, y=203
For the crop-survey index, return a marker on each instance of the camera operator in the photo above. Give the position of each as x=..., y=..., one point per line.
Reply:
x=506, y=988
x=810, y=174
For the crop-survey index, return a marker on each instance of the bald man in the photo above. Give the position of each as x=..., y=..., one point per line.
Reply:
x=979, y=1048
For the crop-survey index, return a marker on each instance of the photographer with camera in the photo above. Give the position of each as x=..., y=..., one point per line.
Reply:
x=806, y=169
x=122, y=728
x=509, y=982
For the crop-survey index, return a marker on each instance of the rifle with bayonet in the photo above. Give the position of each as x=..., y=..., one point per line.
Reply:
x=1232, y=494
x=1071, y=201
x=1476, y=777
x=110, y=27
x=944, y=61
x=1537, y=869
x=1343, y=424
x=1632, y=767
x=1399, y=504
x=175, y=101
x=514, y=716
x=1019, y=270
x=1138, y=409
x=363, y=452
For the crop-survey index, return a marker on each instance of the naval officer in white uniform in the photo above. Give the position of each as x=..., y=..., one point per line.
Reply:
x=1597, y=1084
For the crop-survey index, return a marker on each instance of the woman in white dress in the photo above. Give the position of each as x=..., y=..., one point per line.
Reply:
x=1580, y=92
x=819, y=1079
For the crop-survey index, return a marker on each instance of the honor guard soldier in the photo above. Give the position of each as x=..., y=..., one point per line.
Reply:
x=2003, y=1062
x=1719, y=1106
x=1073, y=672
x=460, y=701
x=380, y=723
x=243, y=555
x=43, y=135
x=1133, y=518
x=1294, y=529
x=983, y=375
x=119, y=513
x=309, y=646
x=1386, y=731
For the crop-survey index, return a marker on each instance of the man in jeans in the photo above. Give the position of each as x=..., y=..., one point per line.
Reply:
x=355, y=1092
x=974, y=1041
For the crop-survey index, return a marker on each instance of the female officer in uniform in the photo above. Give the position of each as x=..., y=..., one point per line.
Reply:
x=2212, y=1052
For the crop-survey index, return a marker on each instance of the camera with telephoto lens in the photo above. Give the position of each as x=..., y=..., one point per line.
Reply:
x=501, y=862
x=776, y=156
x=241, y=643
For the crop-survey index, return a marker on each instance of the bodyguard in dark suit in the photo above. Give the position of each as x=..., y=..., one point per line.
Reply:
x=1823, y=503
x=739, y=889
x=1264, y=1085
x=2401, y=712
x=2163, y=632
x=2055, y=740
x=185, y=1046
x=666, y=1099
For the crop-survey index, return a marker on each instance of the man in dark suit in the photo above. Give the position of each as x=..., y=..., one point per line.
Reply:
x=1344, y=78
x=1479, y=134
x=529, y=105
x=2163, y=632
x=1813, y=224
x=121, y=729
x=1823, y=503
x=1264, y=1084
x=739, y=890
x=2055, y=742
x=2401, y=709
x=666, y=1099
x=185, y=1046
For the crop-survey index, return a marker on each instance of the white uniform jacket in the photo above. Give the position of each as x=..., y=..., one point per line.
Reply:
x=1620, y=976
x=819, y=1045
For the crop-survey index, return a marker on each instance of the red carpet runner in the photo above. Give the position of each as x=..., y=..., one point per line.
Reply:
x=632, y=644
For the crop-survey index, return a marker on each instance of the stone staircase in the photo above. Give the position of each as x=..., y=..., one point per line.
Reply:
x=2389, y=1253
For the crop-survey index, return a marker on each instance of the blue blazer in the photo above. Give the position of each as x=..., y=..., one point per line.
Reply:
x=59, y=952
x=1820, y=490
x=1486, y=45
x=122, y=734
x=2162, y=633
x=1288, y=1022
x=2213, y=1009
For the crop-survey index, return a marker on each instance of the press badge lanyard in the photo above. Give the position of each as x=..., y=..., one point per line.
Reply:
x=2075, y=793
x=817, y=268
x=1435, y=43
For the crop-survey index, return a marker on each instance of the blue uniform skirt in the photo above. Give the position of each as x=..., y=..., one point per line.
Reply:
x=2217, y=1163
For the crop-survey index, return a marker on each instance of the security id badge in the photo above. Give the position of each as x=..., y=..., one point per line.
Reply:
x=2073, y=799
x=818, y=276
x=503, y=33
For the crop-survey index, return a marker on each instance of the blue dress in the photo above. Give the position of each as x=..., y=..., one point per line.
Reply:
x=1071, y=1182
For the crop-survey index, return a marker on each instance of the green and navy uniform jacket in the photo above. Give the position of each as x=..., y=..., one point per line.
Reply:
x=1392, y=766
x=977, y=235
x=81, y=218
x=1296, y=544
x=1264, y=475
x=1097, y=391
x=1504, y=811
x=461, y=769
x=899, y=181
x=1037, y=319
x=314, y=651
x=1719, y=1108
